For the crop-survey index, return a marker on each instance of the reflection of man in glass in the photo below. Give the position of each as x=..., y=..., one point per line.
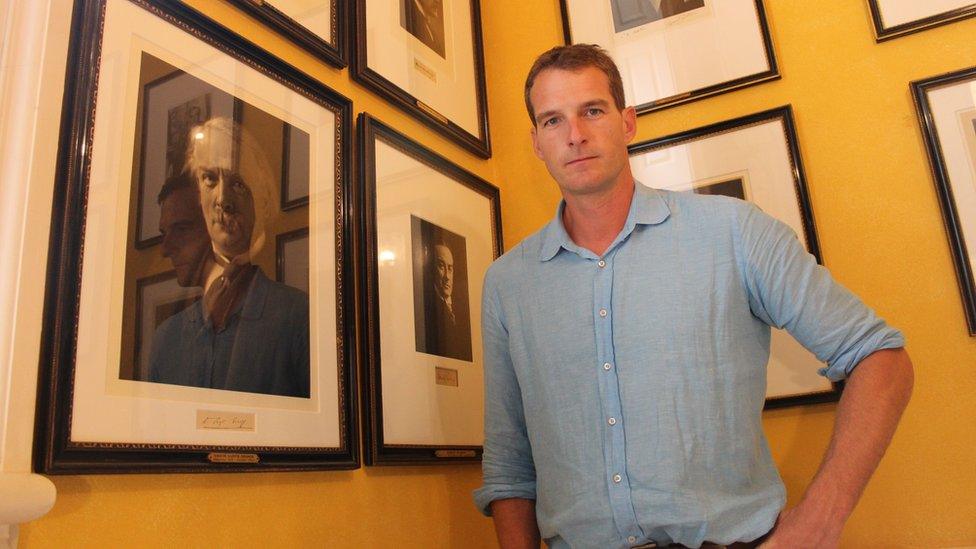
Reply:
x=185, y=239
x=425, y=20
x=248, y=333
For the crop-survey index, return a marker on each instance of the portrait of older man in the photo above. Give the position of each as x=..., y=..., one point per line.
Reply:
x=628, y=14
x=425, y=20
x=248, y=333
x=441, y=312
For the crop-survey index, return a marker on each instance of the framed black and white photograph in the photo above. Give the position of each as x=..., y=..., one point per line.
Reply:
x=430, y=230
x=894, y=18
x=426, y=57
x=947, y=112
x=192, y=354
x=754, y=158
x=319, y=26
x=674, y=51
x=292, y=259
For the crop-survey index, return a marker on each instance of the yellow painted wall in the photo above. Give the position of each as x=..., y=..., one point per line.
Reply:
x=880, y=230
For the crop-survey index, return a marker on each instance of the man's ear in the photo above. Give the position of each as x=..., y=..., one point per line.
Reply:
x=535, y=143
x=629, y=116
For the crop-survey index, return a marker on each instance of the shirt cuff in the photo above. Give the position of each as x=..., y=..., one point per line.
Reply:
x=490, y=492
x=886, y=338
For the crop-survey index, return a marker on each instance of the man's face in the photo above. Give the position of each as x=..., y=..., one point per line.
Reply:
x=225, y=198
x=579, y=133
x=443, y=271
x=185, y=238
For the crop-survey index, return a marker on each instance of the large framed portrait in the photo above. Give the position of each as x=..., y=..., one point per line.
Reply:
x=894, y=18
x=319, y=26
x=189, y=353
x=947, y=111
x=674, y=51
x=426, y=57
x=430, y=231
x=754, y=158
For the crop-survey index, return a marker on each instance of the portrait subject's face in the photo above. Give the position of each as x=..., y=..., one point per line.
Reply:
x=443, y=271
x=185, y=237
x=225, y=198
x=578, y=132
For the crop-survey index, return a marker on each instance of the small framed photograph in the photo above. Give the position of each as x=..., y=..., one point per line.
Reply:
x=294, y=167
x=946, y=108
x=431, y=229
x=292, y=259
x=674, y=51
x=214, y=350
x=754, y=158
x=426, y=57
x=894, y=18
x=319, y=26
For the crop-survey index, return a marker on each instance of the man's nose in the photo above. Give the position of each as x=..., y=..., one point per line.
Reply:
x=577, y=134
x=224, y=193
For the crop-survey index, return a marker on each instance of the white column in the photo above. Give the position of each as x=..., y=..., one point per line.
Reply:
x=32, y=63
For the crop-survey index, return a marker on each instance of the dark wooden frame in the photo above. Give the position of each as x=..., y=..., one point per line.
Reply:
x=54, y=451
x=335, y=53
x=280, y=241
x=883, y=33
x=477, y=144
x=784, y=113
x=943, y=187
x=715, y=89
x=370, y=129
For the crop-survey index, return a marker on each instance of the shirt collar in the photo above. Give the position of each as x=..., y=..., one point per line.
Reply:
x=647, y=207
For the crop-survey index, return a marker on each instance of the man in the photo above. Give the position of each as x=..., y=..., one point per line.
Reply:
x=425, y=20
x=185, y=239
x=626, y=345
x=248, y=333
x=447, y=331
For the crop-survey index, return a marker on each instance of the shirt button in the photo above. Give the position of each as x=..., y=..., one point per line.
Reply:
x=612, y=421
x=607, y=366
x=603, y=312
x=602, y=263
x=617, y=478
x=631, y=539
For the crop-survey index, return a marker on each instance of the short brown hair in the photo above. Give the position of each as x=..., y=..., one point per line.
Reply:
x=573, y=58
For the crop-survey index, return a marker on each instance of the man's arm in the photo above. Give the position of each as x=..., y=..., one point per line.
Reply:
x=870, y=407
x=515, y=523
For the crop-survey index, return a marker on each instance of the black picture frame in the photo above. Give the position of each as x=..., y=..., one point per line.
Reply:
x=716, y=88
x=795, y=172
x=883, y=32
x=952, y=215
x=334, y=51
x=379, y=450
x=478, y=142
x=55, y=451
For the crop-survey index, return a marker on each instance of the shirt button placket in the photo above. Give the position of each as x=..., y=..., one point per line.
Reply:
x=615, y=457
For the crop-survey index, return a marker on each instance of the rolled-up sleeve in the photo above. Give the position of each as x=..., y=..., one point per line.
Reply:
x=507, y=467
x=788, y=289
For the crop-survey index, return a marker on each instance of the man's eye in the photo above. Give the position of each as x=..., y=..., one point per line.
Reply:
x=594, y=111
x=550, y=121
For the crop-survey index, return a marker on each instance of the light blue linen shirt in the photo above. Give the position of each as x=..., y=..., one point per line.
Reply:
x=624, y=392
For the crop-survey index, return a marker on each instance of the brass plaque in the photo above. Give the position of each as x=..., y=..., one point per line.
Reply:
x=225, y=457
x=446, y=376
x=211, y=420
x=455, y=453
